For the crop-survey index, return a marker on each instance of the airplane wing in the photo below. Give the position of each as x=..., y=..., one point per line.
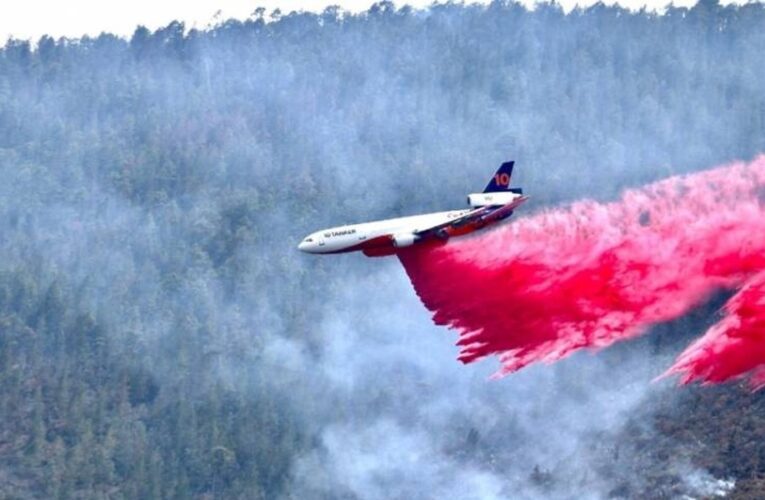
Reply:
x=471, y=221
x=505, y=210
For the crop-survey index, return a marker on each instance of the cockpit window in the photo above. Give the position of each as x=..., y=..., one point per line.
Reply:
x=309, y=240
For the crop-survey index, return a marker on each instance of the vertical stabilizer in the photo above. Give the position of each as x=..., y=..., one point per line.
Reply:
x=501, y=180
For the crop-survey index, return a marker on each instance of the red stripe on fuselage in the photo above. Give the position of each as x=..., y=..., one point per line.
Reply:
x=380, y=242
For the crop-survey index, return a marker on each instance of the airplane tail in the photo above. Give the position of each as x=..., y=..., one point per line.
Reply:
x=501, y=180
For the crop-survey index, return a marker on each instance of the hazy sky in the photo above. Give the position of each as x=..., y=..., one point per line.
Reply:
x=29, y=19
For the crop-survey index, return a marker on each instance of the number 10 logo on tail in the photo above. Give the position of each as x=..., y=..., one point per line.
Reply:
x=502, y=179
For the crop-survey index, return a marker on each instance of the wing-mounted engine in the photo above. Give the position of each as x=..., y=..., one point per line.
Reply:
x=404, y=240
x=477, y=200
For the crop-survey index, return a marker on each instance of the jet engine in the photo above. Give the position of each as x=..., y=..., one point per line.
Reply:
x=404, y=240
x=477, y=200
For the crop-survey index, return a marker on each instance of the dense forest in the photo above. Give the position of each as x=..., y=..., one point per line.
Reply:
x=161, y=336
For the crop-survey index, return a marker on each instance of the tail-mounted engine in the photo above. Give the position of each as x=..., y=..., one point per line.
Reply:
x=477, y=200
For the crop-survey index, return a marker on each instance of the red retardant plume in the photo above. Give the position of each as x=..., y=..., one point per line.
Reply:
x=732, y=347
x=591, y=274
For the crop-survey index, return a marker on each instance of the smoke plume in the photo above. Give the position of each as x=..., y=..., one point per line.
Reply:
x=591, y=274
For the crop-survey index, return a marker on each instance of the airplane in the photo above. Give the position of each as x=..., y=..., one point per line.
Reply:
x=385, y=237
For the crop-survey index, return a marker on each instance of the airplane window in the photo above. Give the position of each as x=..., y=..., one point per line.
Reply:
x=309, y=240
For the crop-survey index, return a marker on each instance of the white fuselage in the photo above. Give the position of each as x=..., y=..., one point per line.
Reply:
x=360, y=236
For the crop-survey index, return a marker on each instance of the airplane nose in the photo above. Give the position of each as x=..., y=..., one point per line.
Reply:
x=303, y=246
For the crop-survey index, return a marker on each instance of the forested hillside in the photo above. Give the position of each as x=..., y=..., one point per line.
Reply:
x=161, y=337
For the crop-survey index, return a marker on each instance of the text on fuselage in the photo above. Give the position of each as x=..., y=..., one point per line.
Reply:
x=339, y=233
